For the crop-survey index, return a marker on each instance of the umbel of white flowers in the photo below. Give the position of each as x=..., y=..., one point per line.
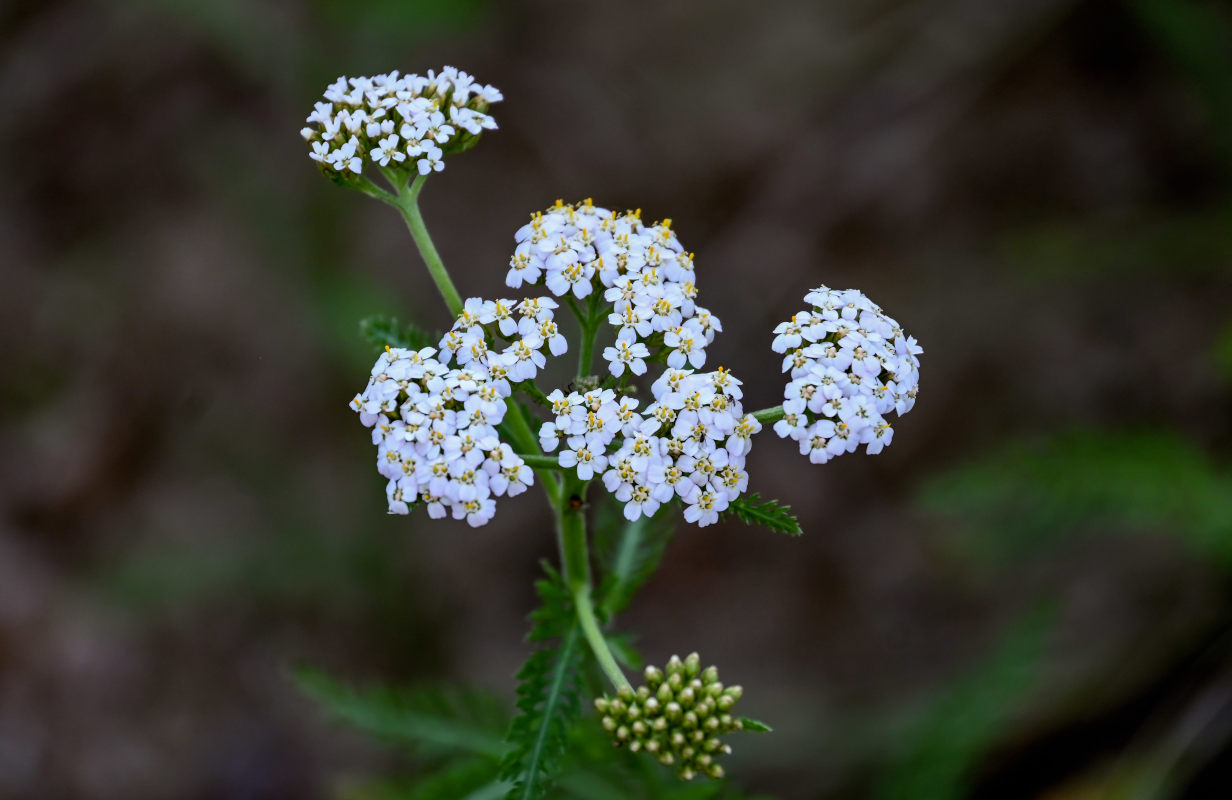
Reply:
x=400, y=121
x=690, y=443
x=435, y=426
x=851, y=365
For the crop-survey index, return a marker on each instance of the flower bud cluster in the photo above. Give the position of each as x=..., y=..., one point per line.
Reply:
x=529, y=326
x=400, y=121
x=435, y=432
x=691, y=442
x=643, y=271
x=678, y=717
x=851, y=365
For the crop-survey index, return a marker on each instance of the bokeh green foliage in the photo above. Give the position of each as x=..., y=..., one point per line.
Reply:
x=942, y=745
x=1035, y=496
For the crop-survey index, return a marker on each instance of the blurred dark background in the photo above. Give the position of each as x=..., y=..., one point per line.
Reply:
x=1029, y=595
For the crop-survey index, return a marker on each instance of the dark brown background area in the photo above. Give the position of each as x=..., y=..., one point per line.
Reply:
x=1037, y=190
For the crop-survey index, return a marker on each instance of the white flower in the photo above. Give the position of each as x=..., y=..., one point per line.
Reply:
x=581, y=456
x=430, y=159
x=627, y=353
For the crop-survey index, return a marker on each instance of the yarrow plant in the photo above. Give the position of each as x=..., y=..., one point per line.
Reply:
x=459, y=421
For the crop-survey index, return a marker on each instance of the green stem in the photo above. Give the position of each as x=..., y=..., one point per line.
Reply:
x=594, y=636
x=567, y=496
x=537, y=461
x=575, y=560
x=519, y=430
x=769, y=414
x=372, y=190
x=408, y=204
x=524, y=439
x=534, y=392
x=587, y=352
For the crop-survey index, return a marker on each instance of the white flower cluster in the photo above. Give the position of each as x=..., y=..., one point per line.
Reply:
x=850, y=366
x=398, y=120
x=690, y=443
x=530, y=326
x=643, y=271
x=435, y=432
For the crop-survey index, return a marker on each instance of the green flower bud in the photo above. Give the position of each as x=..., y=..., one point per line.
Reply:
x=679, y=716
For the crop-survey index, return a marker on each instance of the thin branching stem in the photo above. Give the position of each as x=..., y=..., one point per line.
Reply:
x=575, y=559
x=766, y=415
x=408, y=204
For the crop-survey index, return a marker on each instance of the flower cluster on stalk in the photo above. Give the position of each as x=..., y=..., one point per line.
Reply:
x=399, y=121
x=435, y=425
x=642, y=270
x=850, y=365
x=435, y=433
x=690, y=443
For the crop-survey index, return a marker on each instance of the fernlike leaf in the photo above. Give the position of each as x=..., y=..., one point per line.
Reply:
x=769, y=514
x=382, y=331
x=549, y=689
x=431, y=721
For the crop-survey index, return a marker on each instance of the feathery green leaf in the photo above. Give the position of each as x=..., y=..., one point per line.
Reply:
x=629, y=552
x=432, y=721
x=548, y=695
x=382, y=332
x=769, y=514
